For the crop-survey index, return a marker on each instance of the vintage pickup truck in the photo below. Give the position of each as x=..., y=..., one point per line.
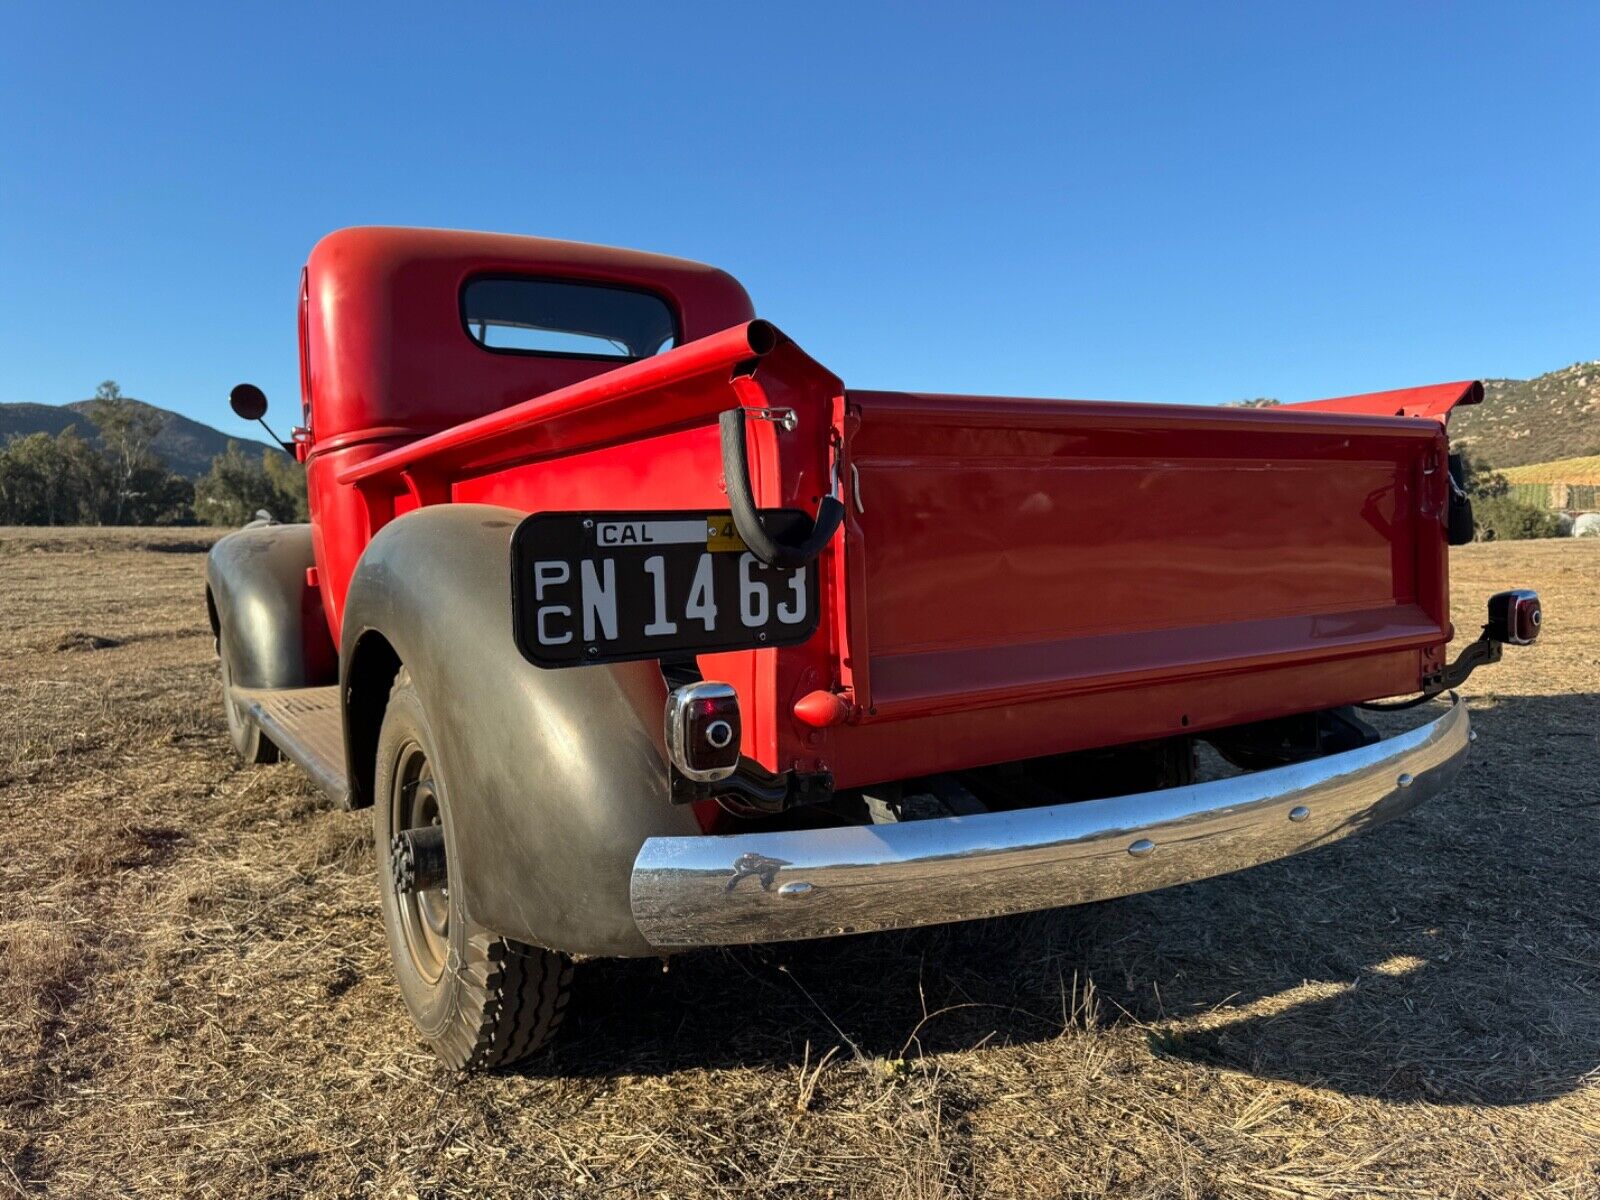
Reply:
x=640, y=631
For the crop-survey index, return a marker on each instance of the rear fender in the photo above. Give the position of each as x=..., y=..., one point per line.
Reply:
x=554, y=778
x=264, y=611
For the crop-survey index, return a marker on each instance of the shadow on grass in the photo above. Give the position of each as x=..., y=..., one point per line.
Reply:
x=1451, y=957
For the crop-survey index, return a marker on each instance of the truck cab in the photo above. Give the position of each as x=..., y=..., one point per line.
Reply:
x=640, y=631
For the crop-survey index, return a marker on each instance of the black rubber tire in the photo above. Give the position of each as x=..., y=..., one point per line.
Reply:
x=252, y=745
x=491, y=1001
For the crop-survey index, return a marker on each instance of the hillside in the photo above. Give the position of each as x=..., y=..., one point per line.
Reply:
x=1585, y=470
x=1525, y=421
x=184, y=445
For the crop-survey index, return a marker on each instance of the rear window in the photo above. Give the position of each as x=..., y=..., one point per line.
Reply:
x=559, y=317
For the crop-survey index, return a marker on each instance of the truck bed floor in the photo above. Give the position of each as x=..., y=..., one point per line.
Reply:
x=304, y=724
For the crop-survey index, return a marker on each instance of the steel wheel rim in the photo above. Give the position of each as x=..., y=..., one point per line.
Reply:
x=425, y=915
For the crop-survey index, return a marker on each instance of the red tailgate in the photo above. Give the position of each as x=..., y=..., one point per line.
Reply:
x=1137, y=570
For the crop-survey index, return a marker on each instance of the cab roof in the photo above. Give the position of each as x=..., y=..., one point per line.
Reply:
x=384, y=349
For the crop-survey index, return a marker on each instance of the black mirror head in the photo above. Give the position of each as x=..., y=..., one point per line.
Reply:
x=248, y=401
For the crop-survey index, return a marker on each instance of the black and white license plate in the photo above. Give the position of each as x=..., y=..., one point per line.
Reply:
x=596, y=587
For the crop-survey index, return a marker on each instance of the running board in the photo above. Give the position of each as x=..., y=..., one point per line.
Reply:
x=304, y=724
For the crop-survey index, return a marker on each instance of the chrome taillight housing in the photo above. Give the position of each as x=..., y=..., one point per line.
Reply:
x=1514, y=617
x=702, y=731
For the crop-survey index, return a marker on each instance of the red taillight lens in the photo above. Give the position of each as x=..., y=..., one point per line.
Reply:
x=702, y=730
x=1514, y=617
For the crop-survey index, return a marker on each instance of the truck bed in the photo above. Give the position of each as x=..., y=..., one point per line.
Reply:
x=1016, y=577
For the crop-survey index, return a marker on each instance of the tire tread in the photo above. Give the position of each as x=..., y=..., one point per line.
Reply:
x=512, y=1007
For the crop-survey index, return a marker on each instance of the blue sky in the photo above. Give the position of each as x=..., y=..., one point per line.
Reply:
x=1188, y=203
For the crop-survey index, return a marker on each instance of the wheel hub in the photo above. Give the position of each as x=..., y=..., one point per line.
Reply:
x=424, y=911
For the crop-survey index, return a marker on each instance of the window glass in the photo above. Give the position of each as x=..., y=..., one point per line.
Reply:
x=547, y=316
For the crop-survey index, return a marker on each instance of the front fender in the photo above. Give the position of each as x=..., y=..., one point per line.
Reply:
x=554, y=779
x=265, y=615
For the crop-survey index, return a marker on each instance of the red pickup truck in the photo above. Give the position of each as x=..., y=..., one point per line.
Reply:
x=640, y=631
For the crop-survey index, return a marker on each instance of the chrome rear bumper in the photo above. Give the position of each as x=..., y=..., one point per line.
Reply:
x=769, y=887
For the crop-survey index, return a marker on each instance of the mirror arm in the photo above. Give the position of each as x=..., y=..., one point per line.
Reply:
x=287, y=446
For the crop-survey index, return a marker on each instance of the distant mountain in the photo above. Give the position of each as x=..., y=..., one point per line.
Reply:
x=1525, y=421
x=186, y=446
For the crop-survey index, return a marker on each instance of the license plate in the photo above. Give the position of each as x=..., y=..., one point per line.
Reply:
x=598, y=587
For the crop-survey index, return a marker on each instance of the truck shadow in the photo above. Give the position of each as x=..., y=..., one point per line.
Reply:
x=1452, y=957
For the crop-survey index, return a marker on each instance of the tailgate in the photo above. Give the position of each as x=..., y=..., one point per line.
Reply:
x=1008, y=551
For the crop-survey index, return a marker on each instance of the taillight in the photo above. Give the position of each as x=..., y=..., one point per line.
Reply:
x=1513, y=617
x=702, y=730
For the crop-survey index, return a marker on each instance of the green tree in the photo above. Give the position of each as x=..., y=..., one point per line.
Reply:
x=289, y=477
x=157, y=496
x=1504, y=518
x=1478, y=478
x=238, y=486
x=61, y=480
x=127, y=428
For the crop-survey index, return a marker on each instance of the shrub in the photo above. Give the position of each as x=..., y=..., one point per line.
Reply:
x=1504, y=518
x=239, y=485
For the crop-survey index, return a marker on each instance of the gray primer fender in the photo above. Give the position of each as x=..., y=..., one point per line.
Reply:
x=261, y=605
x=555, y=778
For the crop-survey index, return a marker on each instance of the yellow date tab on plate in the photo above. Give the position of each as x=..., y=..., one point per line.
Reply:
x=722, y=535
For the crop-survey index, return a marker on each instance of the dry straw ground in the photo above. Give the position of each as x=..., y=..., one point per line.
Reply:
x=194, y=996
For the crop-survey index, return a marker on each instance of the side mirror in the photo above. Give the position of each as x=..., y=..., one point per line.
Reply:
x=248, y=402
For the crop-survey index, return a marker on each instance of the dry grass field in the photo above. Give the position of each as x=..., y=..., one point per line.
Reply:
x=195, y=998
